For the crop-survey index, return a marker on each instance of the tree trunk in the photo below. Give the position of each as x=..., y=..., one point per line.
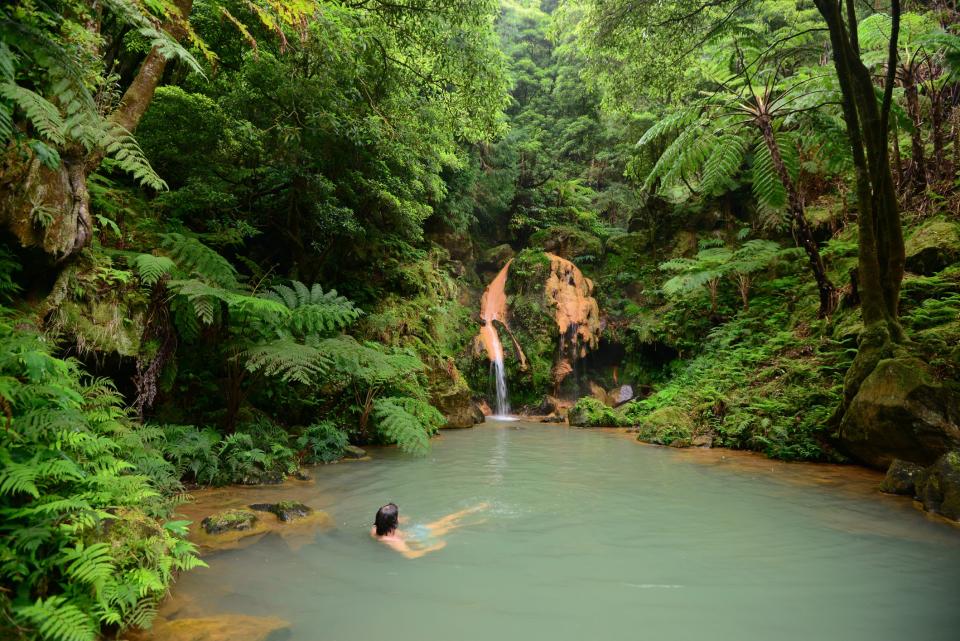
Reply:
x=936, y=123
x=881, y=251
x=801, y=228
x=50, y=208
x=918, y=169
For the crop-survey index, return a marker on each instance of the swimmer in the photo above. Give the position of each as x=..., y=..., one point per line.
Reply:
x=386, y=529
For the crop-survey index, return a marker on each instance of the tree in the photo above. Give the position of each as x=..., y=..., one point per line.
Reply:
x=881, y=255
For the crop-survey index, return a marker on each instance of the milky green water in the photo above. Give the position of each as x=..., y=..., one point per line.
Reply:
x=589, y=537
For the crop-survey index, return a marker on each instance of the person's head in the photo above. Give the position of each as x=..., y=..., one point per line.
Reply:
x=387, y=518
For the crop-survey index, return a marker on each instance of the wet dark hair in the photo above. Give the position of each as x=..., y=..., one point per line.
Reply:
x=387, y=518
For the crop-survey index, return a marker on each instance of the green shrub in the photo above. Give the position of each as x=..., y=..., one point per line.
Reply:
x=83, y=541
x=321, y=442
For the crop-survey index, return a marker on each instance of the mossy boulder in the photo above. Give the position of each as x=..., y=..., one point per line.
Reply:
x=591, y=412
x=901, y=478
x=940, y=487
x=454, y=399
x=567, y=242
x=284, y=510
x=667, y=426
x=932, y=246
x=228, y=520
x=354, y=452
x=900, y=412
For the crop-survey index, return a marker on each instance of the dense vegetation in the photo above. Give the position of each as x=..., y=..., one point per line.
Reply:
x=239, y=236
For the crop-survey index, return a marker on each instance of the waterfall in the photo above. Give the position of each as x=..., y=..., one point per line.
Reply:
x=493, y=307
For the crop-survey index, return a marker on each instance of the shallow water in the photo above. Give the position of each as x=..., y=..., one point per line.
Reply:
x=591, y=536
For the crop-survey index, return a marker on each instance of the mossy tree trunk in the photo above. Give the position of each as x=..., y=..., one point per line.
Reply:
x=881, y=247
x=50, y=208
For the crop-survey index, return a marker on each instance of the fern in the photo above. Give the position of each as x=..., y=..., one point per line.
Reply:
x=768, y=189
x=193, y=257
x=42, y=114
x=59, y=620
x=314, y=311
x=407, y=422
x=287, y=359
x=91, y=564
x=723, y=164
x=152, y=268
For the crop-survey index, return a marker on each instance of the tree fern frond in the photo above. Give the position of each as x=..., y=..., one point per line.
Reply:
x=679, y=120
x=723, y=164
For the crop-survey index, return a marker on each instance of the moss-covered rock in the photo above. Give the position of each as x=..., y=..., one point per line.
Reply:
x=932, y=246
x=284, y=510
x=630, y=244
x=497, y=257
x=667, y=426
x=354, y=452
x=899, y=412
x=901, y=478
x=453, y=398
x=567, y=242
x=940, y=487
x=228, y=520
x=591, y=412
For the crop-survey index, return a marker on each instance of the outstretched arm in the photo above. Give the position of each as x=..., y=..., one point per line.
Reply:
x=452, y=521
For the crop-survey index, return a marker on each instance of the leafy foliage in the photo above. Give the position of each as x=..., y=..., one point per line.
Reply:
x=83, y=540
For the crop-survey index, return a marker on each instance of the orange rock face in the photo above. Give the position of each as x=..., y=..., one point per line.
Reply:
x=578, y=316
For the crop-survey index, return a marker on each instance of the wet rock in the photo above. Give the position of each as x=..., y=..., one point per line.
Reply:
x=899, y=412
x=284, y=510
x=939, y=489
x=620, y=395
x=555, y=418
x=354, y=452
x=224, y=627
x=300, y=475
x=901, y=478
x=933, y=246
x=228, y=520
x=548, y=405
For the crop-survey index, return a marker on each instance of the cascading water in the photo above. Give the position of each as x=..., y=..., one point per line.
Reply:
x=493, y=307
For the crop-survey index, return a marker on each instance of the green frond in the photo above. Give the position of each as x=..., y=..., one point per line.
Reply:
x=407, y=422
x=723, y=164
x=288, y=359
x=42, y=114
x=58, y=620
x=768, y=189
x=193, y=257
x=152, y=268
x=679, y=120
